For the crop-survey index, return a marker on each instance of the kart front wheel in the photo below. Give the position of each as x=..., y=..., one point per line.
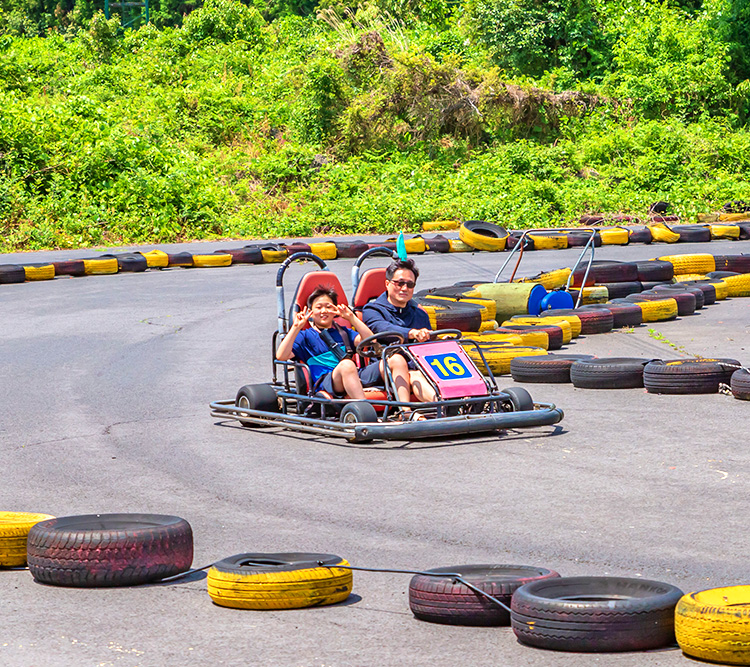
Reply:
x=358, y=412
x=257, y=397
x=520, y=399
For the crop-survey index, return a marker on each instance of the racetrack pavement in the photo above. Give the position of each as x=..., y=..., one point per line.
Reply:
x=106, y=382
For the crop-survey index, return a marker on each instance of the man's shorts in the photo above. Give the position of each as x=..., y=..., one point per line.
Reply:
x=369, y=376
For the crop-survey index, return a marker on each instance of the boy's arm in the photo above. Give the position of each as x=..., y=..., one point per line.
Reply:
x=284, y=352
x=363, y=331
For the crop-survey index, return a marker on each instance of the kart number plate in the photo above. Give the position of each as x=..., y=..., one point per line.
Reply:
x=448, y=366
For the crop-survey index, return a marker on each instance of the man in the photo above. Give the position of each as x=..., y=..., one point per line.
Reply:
x=394, y=310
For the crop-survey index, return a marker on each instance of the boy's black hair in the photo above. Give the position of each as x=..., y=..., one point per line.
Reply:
x=322, y=290
x=407, y=264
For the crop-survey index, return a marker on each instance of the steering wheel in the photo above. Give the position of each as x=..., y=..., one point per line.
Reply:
x=454, y=334
x=371, y=348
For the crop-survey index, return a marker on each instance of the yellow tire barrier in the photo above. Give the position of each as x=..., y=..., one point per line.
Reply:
x=488, y=305
x=14, y=529
x=324, y=250
x=98, y=267
x=738, y=285
x=658, y=311
x=414, y=246
x=734, y=217
x=691, y=263
x=661, y=232
x=488, y=325
x=209, y=261
x=483, y=236
x=231, y=584
x=725, y=232
x=550, y=280
x=715, y=625
x=549, y=241
x=156, y=259
x=440, y=225
x=573, y=320
x=563, y=323
x=722, y=290
x=499, y=356
x=531, y=338
x=42, y=272
x=614, y=236
x=459, y=246
x=494, y=337
x=594, y=294
x=273, y=256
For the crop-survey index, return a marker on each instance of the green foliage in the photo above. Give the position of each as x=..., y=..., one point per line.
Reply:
x=224, y=21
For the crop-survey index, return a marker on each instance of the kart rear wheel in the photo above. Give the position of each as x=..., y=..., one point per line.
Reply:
x=358, y=412
x=257, y=397
x=520, y=399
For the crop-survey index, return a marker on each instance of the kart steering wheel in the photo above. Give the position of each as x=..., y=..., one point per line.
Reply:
x=454, y=334
x=371, y=348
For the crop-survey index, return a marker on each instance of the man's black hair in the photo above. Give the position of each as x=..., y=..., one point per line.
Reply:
x=322, y=290
x=407, y=264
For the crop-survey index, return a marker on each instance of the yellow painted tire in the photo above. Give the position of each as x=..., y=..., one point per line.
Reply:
x=550, y=280
x=279, y=581
x=488, y=325
x=722, y=289
x=459, y=246
x=324, y=250
x=499, y=356
x=208, y=261
x=549, y=241
x=691, y=263
x=573, y=320
x=414, y=246
x=483, y=235
x=658, y=311
x=440, y=225
x=14, y=529
x=156, y=259
x=488, y=306
x=97, y=267
x=530, y=337
x=594, y=294
x=684, y=277
x=734, y=217
x=273, y=256
x=40, y=272
x=725, y=232
x=614, y=236
x=661, y=232
x=494, y=337
x=738, y=285
x=558, y=321
x=715, y=625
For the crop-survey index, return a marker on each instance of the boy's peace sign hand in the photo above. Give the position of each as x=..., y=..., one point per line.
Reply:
x=301, y=317
x=346, y=312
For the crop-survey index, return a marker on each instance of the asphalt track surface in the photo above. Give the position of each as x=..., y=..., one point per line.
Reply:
x=105, y=388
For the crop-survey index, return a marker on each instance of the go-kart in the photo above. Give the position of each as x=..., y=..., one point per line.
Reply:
x=465, y=400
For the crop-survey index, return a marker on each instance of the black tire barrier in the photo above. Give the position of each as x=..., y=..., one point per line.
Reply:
x=70, y=267
x=688, y=376
x=246, y=255
x=452, y=315
x=658, y=208
x=483, y=235
x=654, y=270
x=133, y=262
x=623, y=314
x=350, y=249
x=438, y=243
x=607, y=271
x=595, y=614
x=593, y=321
x=640, y=235
x=621, y=290
x=609, y=373
x=737, y=263
x=686, y=301
x=718, y=275
x=440, y=599
x=184, y=259
x=296, y=246
x=514, y=237
x=649, y=285
x=744, y=230
x=693, y=233
x=740, y=384
x=99, y=550
x=39, y=271
x=11, y=273
x=579, y=239
x=708, y=289
x=552, y=369
x=697, y=292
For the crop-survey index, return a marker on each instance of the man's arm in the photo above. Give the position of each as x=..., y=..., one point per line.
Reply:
x=378, y=322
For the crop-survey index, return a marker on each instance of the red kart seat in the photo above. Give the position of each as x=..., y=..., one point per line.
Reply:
x=309, y=283
x=371, y=286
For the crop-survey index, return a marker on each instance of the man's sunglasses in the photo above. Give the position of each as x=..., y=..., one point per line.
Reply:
x=404, y=283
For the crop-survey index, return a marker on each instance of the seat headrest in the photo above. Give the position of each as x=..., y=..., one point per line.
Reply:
x=309, y=283
x=371, y=286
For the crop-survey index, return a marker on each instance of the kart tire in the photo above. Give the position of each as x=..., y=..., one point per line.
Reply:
x=714, y=625
x=740, y=384
x=623, y=314
x=595, y=614
x=482, y=235
x=552, y=369
x=358, y=412
x=702, y=263
x=100, y=550
x=70, y=267
x=654, y=270
x=14, y=529
x=736, y=263
x=438, y=599
x=257, y=397
x=609, y=373
x=520, y=399
x=132, y=262
x=279, y=581
x=688, y=376
x=640, y=235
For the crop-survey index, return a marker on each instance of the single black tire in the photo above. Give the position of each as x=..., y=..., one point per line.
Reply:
x=593, y=321
x=607, y=271
x=99, y=550
x=697, y=292
x=246, y=255
x=595, y=614
x=350, y=249
x=133, y=262
x=623, y=314
x=740, y=384
x=11, y=273
x=439, y=599
x=257, y=397
x=652, y=270
x=705, y=286
x=721, y=274
x=738, y=263
x=520, y=399
x=621, y=290
x=453, y=315
x=184, y=259
x=692, y=233
x=551, y=369
x=438, y=243
x=610, y=373
x=640, y=235
x=578, y=239
x=70, y=267
x=688, y=376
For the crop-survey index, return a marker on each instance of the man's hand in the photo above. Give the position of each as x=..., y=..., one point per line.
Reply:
x=420, y=335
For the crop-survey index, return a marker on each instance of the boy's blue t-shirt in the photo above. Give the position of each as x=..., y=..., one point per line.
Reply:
x=311, y=349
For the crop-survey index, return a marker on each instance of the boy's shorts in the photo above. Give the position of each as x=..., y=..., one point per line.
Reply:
x=369, y=376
